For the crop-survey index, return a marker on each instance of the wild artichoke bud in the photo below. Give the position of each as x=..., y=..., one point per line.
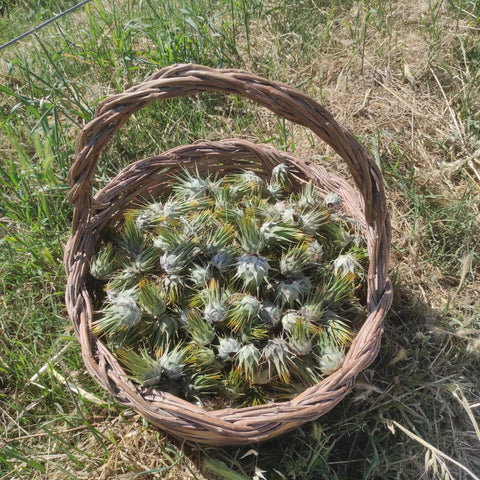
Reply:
x=312, y=221
x=200, y=275
x=213, y=301
x=173, y=262
x=142, y=368
x=248, y=359
x=173, y=209
x=274, y=190
x=278, y=355
x=190, y=186
x=173, y=285
x=294, y=261
x=244, y=309
x=314, y=308
x=315, y=251
x=279, y=233
x=333, y=201
x=269, y=314
x=300, y=337
x=201, y=357
x=148, y=217
x=308, y=197
x=132, y=239
x=331, y=359
x=345, y=264
x=291, y=291
x=199, y=385
x=290, y=318
x=252, y=269
x=228, y=348
x=215, y=312
x=103, y=264
x=281, y=175
x=173, y=362
x=222, y=261
x=123, y=314
x=152, y=299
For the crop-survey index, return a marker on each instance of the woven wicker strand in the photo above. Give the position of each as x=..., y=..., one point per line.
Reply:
x=152, y=176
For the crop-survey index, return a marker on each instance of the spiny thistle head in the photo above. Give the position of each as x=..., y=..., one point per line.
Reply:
x=331, y=359
x=173, y=362
x=213, y=301
x=274, y=190
x=164, y=330
x=174, y=287
x=315, y=251
x=228, y=348
x=120, y=315
x=147, y=217
x=280, y=174
x=313, y=307
x=278, y=234
x=333, y=201
x=201, y=357
x=132, y=239
x=243, y=183
x=190, y=185
x=290, y=318
x=313, y=221
x=151, y=299
x=245, y=307
x=167, y=239
x=142, y=368
x=337, y=330
x=250, y=238
x=252, y=269
x=269, y=314
x=218, y=239
x=146, y=260
x=291, y=291
x=308, y=197
x=200, y=385
x=294, y=261
x=200, y=274
x=173, y=262
x=104, y=263
x=279, y=359
x=300, y=337
x=345, y=264
x=248, y=359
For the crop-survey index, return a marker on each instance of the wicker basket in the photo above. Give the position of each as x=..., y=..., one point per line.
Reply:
x=152, y=176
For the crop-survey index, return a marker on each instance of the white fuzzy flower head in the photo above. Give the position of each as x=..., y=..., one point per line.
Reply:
x=345, y=264
x=290, y=319
x=315, y=251
x=333, y=201
x=215, y=312
x=128, y=310
x=269, y=314
x=252, y=269
x=228, y=348
x=331, y=360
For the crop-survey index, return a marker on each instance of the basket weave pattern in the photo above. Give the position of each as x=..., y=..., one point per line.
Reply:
x=152, y=176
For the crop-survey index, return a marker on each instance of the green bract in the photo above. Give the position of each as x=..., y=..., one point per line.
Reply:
x=237, y=288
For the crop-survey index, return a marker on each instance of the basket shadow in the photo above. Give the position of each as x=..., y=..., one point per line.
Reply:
x=408, y=383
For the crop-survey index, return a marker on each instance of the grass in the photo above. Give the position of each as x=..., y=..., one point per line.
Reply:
x=403, y=76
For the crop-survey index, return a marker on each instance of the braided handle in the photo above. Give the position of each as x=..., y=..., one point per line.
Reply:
x=185, y=80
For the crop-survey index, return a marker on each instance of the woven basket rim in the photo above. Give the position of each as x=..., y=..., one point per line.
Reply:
x=93, y=213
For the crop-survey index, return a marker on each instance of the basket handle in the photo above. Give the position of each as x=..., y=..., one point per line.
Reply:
x=188, y=79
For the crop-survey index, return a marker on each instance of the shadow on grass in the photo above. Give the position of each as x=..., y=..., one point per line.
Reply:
x=413, y=382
